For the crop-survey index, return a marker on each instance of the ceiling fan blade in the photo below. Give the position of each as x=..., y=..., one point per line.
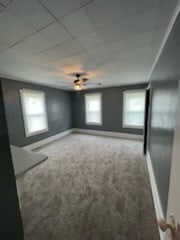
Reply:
x=69, y=87
x=63, y=82
x=95, y=84
x=80, y=74
x=84, y=79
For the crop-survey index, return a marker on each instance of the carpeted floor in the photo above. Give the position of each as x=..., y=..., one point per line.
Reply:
x=90, y=188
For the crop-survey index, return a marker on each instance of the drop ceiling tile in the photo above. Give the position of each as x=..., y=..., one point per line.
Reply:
x=1, y=7
x=140, y=55
x=55, y=33
x=60, y=8
x=64, y=51
x=22, y=50
x=163, y=1
x=103, y=12
x=6, y=59
x=80, y=61
x=118, y=31
x=16, y=70
x=144, y=40
x=164, y=13
x=78, y=23
x=4, y=42
x=135, y=42
x=39, y=42
x=13, y=28
x=109, y=68
x=39, y=60
x=7, y=40
x=41, y=70
x=145, y=22
x=10, y=65
x=100, y=55
x=158, y=34
x=31, y=12
x=5, y=2
x=90, y=41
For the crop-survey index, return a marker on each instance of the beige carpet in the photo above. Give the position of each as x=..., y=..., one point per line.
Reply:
x=90, y=188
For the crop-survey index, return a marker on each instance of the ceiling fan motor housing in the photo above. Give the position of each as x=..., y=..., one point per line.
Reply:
x=77, y=82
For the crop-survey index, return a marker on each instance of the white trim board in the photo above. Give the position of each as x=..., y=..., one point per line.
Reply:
x=85, y=131
x=48, y=140
x=155, y=193
x=109, y=134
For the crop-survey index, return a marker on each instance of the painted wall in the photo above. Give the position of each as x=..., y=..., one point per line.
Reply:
x=174, y=189
x=164, y=94
x=10, y=217
x=59, y=111
x=112, y=109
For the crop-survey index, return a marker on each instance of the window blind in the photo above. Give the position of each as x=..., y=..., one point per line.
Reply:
x=93, y=108
x=133, y=108
x=34, y=111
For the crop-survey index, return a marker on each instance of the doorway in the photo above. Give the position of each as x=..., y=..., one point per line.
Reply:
x=146, y=118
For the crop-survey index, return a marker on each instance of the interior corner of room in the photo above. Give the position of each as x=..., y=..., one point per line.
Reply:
x=89, y=119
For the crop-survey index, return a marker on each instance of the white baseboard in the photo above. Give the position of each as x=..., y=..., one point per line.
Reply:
x=155, y=193
x=86, y=131
x=48, y=140
x=109, y=134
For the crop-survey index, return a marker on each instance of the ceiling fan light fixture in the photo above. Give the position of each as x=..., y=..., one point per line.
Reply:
x=78, y=87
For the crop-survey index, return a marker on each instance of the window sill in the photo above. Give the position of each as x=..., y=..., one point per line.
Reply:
x=36, y=133
x=133, y=127
x=93, y=124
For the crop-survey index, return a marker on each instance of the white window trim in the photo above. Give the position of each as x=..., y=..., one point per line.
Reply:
x=92, y=123
x=126, y=125
x=27, y=134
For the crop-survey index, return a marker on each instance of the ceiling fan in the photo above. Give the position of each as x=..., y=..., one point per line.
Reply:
x=80, y=82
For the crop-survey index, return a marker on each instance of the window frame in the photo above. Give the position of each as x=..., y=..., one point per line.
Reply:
x=27, y=134
x=123, y=119
x=93, y=123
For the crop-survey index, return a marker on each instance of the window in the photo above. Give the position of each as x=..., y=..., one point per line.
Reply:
x=34, y=112
x=133, y=108
x=93, y=109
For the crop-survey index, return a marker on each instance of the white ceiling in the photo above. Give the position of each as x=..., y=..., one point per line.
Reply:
x=115, y=41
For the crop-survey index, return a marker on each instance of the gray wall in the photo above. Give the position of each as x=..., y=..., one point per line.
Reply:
x=164, y=94
x=10, y=217
x=59, y=111
x=112, y=107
